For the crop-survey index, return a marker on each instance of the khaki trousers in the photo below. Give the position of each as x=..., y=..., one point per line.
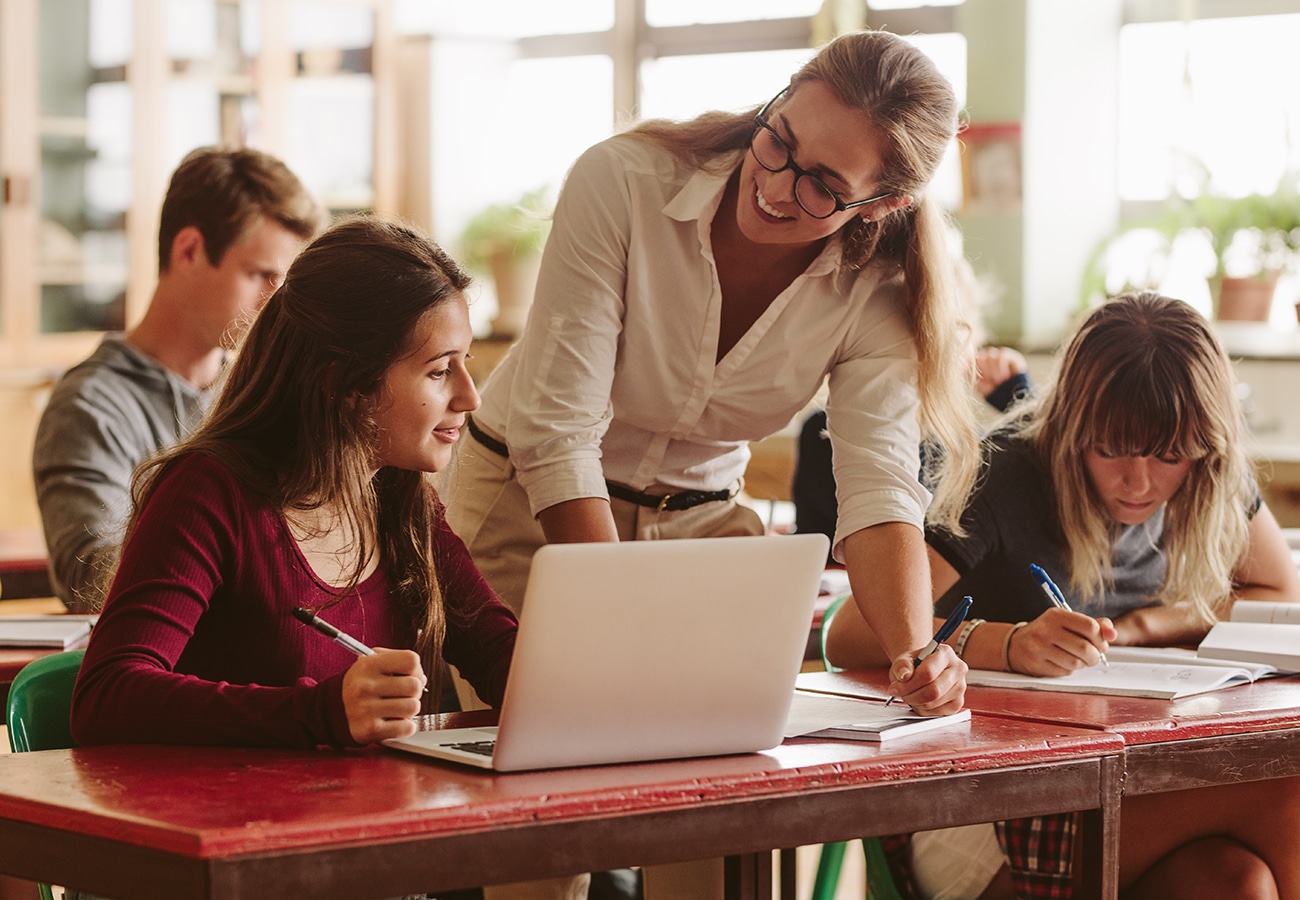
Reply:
x=488, y=509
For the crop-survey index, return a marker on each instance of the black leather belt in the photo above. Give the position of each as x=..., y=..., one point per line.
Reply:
x=661, y=502
x=486, y=439
x=676, y=501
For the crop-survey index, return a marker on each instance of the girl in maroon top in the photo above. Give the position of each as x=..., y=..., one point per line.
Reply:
x=306, y=486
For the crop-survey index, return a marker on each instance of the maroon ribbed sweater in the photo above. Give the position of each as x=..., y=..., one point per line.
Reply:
x=197, y=643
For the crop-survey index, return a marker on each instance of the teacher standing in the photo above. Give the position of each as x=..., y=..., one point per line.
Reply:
x=700, y=282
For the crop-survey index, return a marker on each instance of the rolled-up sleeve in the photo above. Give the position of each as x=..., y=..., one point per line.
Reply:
x=873, y=422
x=561, y=384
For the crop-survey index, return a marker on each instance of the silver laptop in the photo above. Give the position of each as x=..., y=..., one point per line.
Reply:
x=648, y=650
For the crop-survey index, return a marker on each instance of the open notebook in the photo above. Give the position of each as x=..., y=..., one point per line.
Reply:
x=1166, y=673
x=649, y=650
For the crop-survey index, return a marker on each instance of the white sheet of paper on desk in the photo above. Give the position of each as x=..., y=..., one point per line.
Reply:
x=834, y=582
x=838, y=685
x=843, y=718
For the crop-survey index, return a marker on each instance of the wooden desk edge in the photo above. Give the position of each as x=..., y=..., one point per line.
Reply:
x=502, y=853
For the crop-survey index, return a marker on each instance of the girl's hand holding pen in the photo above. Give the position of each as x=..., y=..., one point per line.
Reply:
x=1059, y=642
x=381, y=695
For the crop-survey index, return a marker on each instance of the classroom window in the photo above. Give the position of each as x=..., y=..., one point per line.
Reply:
x=1200, y=111
x=1203, y=99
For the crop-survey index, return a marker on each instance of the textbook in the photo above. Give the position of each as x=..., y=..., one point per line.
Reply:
x=56, y=632
x=819, y=715
x=1258, y=632
x=1159, y=680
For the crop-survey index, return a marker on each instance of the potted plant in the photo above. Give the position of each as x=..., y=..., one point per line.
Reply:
x=1254, y=239
x=505, y=241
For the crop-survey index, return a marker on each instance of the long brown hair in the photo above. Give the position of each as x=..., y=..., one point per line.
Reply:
x=899, y=90
x=1144, y=375
x=288, y=423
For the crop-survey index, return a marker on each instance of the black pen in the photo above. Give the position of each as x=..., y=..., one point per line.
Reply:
x=342, y=638
x=955, y=618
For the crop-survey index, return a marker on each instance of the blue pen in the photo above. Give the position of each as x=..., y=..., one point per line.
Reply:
x=1054, y=594
x=955, y=618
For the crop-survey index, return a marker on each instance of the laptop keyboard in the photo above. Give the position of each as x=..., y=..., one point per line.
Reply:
x=482, y=748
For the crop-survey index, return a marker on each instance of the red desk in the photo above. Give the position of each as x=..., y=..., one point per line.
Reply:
x=216, y=822
x=1245, y=733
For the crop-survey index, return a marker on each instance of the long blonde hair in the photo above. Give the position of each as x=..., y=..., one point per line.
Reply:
x=898, y=89
x=1144, y=375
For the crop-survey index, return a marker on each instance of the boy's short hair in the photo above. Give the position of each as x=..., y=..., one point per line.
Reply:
x=223, y=191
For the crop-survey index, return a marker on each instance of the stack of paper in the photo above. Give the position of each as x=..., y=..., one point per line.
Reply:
x=56, y=632
x=843, y=711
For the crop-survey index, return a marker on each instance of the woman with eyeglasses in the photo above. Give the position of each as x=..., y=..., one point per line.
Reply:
x=700, y=282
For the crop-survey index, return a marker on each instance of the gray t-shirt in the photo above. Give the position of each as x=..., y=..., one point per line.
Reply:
x=104, y=418
x=1011, y=522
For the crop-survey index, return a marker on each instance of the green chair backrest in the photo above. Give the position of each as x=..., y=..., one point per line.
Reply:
x=40, y=703
x=826, y=624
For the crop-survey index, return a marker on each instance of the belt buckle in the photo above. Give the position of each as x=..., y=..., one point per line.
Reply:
x=663, y=503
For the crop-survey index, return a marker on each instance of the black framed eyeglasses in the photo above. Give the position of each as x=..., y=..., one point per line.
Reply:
x=810, y=192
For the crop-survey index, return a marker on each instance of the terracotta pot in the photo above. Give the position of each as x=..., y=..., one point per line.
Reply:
x=1244, y=299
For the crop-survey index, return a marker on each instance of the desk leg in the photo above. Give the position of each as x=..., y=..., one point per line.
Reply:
x=748, y=876
x=789, y=883
x=1100, y=835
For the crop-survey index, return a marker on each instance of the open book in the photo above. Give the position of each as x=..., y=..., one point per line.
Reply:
x=1160, y=673
x=1258, y=632
x=849, y=712
x=1183, y=656
x=57, y=632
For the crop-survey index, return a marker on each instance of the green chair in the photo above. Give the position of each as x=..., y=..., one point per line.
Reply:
x=40, y=706
x=880, y=883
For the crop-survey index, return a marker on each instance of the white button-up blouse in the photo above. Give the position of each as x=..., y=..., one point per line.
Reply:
x=614, y=376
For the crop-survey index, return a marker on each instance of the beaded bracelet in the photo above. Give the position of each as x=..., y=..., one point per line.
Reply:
x=970, y=626
x=1006, y=646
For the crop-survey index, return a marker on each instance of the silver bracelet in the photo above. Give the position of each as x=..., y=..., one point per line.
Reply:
x=970, y=626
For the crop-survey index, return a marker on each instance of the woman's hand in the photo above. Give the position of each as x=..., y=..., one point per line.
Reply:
x=935, y=687
x=1059, y=642
x=381, y=694
x=994, y=365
